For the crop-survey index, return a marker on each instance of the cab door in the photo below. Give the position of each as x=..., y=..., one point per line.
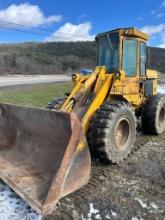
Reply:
x=143, y=59
x=130, y=66
x=146, y=82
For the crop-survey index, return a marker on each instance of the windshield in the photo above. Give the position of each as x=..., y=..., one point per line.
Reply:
x=108, y=52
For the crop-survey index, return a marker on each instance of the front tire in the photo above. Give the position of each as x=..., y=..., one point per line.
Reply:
x=153, y=115
x=113, y=131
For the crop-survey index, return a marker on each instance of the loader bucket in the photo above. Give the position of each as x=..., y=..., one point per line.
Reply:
x=43, y=154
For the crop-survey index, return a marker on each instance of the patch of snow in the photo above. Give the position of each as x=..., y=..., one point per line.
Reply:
x=13, y=208
x=134, y=218
x=93, y=212
x=108, y=216
x=114, y=214
x=133, y=182
x=142, y=203
x=92, y=209
x=154, y=206
x=154, y=143
x=98, y=216
x=161, y=89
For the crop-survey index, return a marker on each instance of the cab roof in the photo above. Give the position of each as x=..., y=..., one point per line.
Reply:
x=127, y=32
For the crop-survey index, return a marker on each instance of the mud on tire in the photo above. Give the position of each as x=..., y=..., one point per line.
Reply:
x=153, y=115
x=112, y=132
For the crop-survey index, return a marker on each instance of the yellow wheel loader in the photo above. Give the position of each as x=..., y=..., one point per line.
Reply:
x=45, y=153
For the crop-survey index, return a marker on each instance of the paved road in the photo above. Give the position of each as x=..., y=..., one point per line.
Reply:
x=29, y=79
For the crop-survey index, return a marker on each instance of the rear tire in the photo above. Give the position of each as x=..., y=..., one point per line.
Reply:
x=153, y=115
x=112, y=132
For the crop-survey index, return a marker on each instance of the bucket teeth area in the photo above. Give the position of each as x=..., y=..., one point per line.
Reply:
x=37, y=148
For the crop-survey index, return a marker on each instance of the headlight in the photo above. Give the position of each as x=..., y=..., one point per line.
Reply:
x=74, y=76
x=117, y=75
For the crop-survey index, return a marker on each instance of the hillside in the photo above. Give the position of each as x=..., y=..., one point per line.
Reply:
x=46, y=58
x=59, y=58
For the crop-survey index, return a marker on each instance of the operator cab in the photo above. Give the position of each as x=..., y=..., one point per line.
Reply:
x=121, y=49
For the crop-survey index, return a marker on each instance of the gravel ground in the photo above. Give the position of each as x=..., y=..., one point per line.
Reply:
x=134, y=190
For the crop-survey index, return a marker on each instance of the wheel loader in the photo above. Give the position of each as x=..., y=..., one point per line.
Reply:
x=45, y=154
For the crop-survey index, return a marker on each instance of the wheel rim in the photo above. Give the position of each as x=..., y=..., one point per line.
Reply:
x=122, y=133
x=162, y=117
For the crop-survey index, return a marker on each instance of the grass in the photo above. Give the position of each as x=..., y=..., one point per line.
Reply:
x=35, y=95
x=38, y=95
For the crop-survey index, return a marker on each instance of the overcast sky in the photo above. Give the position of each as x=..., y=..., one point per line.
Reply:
x=66, y=20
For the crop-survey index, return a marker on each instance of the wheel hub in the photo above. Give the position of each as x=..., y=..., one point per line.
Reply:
x=162, y=117
x=122, y=133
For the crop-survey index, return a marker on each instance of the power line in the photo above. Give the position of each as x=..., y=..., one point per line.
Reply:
x=41, y=29
x=30, y=32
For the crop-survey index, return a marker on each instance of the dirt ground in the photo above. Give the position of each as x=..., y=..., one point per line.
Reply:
x=133, y=190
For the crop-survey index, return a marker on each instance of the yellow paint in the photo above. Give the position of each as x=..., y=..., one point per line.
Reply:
x=81, y=145
x=97, y=102
x=92, y=90
x=151, y=74
x=83, y=83
x=100, y=80
x=128, y=32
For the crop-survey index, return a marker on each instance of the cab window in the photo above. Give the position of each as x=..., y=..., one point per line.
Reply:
x=108, y=52
x=129, y=64
x=142, y=58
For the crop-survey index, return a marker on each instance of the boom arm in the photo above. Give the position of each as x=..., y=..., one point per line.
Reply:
x=88, y=95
